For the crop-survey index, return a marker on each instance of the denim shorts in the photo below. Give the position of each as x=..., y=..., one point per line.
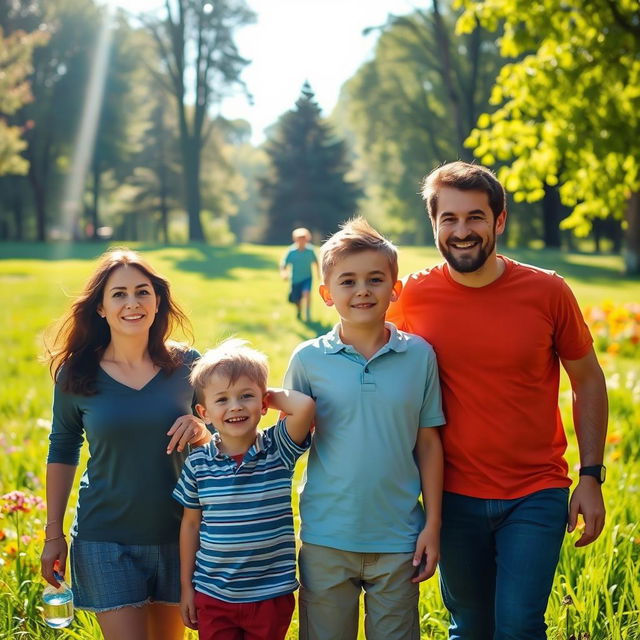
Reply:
x=298, y=288
x=108, y=575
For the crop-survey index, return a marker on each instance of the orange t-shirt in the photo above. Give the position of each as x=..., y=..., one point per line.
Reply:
x=498, y=350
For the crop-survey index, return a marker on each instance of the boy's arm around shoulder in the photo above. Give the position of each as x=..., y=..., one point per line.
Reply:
x=430, y=461
x=296, y=376
x=299, y=409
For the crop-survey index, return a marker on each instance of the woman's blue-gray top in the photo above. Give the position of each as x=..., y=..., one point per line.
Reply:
x=125, y=492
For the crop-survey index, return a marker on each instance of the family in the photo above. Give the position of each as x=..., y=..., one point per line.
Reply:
x=430, y=412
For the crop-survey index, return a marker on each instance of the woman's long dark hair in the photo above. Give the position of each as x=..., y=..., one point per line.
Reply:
x=82, y=335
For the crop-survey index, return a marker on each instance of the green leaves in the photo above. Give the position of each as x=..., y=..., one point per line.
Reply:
x=569, y=108
x=16, y=50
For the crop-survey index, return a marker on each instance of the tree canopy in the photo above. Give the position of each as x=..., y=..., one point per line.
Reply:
x=412, y=106
x=196, y=43
x=307, y=186
x=568, y=111
x=16, y=50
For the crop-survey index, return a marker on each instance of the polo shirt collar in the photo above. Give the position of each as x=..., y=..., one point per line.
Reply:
x=333, y=344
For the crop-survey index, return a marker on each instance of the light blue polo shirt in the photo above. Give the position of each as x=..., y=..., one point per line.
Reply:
x=362, y=482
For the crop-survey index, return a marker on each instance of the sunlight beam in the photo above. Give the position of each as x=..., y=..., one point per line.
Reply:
x=72, y=201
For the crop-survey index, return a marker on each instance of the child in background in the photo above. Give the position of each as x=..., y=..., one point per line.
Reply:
x=237, y=547
x=374, y=451
x=300, y=257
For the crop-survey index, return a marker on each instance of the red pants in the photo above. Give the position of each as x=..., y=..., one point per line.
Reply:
x=264, y=620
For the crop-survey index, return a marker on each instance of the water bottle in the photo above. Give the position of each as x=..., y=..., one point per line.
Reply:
x=57, y=604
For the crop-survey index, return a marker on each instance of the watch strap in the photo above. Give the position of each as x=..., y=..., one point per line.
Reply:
x=597, y=471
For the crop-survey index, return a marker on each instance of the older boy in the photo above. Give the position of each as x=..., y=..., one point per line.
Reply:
x=297, y=265
x=377, y=393
x=237, y=548
x=501, y=330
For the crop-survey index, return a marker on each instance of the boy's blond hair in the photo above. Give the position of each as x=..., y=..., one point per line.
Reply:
x=301, y=232
x=356, y=235
x=232, y=358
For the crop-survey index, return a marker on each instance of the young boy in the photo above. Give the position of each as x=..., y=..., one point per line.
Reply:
x=300, y=257
x=377, y=393
x=237, y=548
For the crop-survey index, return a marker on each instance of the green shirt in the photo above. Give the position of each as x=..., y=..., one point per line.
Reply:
x=125, y=492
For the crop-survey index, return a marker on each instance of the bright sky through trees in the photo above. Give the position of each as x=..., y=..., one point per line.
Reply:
x=296, y=40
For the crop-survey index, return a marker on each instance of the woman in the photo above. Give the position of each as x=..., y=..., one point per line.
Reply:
x=120, y=383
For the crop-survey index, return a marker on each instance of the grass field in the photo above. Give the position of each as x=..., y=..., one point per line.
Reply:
x=237, y=291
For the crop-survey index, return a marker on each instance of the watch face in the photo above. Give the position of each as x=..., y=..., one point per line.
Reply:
x=603, y=473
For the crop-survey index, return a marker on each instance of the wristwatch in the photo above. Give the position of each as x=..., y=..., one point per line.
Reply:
x=598, y=471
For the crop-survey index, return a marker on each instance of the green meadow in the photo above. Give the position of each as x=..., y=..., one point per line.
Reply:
x=237, y=291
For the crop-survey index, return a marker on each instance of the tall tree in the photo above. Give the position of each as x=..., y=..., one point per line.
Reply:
x=16, y=50
x=60, y=70
x=307, y=185
x=569, y=108
x=124, y=112
x=413, y=105
x=252, y=165
x=196, y=44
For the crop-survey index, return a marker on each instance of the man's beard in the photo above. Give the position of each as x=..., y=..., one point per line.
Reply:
x=474, y=260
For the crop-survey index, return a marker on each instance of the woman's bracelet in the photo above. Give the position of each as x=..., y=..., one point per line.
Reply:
x=51, y=522
x=54, y=538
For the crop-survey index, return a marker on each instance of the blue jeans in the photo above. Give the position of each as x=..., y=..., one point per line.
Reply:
x=498, y=559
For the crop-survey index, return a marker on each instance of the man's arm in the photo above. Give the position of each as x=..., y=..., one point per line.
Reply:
x=298, y=408
x=590, y=410
x=430, y=463
x=189, y=545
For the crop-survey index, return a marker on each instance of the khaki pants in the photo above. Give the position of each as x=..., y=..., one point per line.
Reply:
x=331, y=583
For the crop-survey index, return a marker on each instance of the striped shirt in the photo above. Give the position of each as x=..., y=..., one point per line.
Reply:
x=247, y=544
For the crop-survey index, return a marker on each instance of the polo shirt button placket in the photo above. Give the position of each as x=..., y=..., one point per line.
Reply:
x=367, y=381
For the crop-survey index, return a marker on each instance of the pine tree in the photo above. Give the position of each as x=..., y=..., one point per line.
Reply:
x=307, y=185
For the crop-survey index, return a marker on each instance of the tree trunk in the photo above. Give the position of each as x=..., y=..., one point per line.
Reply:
x=614, y=232
x=631, y=252
x=162, y=174
x=95, y=199
x=164, y=211
x=190, y=150
x=18, y=213
x=596, y=230
x=191, y=164
x=39, y=200
x=38, y=176
x=447, y=74
x=551, y=215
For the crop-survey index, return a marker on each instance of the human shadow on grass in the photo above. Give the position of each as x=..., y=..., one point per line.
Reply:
x=318, y=328
x=52, y=251
x=210, y=262
x=216, y=262
x=563, y=263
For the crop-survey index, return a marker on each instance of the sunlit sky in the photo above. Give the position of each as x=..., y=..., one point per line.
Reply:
x=296, y=40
